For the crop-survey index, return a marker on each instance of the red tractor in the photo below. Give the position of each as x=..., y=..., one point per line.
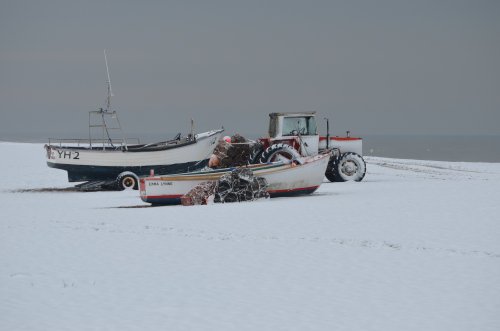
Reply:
x=293, y=135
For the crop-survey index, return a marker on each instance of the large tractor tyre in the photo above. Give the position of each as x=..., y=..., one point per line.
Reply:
x=255, y=154
x=254, y=159
x=346, y=167
x=127, y=181
x=280, y=152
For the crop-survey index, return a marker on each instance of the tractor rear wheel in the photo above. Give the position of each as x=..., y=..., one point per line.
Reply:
x=256, y=152
x=279, y=152
x=346, y=167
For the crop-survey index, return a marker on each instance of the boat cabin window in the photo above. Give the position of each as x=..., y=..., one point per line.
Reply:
x=295, y=125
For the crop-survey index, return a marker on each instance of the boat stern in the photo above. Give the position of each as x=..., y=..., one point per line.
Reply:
x=156, y=191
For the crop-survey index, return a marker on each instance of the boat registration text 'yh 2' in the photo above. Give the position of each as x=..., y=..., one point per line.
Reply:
x=65, y=155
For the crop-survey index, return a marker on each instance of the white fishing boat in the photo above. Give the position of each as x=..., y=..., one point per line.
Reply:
x=126, y=163
x=110, y=158
x=283, y=178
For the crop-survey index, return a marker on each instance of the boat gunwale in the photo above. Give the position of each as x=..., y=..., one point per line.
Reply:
x=258, y=170
x=169, y=144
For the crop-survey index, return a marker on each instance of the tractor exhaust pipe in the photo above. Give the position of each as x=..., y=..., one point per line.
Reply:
x=327, y=133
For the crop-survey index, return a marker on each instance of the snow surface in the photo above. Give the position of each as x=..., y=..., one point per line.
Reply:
x=415, y=246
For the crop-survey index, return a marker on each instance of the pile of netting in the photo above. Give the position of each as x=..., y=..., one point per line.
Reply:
x=233, y=154
x=240, y=185
x=236, y=186
x=199, y=195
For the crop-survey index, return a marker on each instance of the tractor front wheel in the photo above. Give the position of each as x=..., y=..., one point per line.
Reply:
x=346, y=167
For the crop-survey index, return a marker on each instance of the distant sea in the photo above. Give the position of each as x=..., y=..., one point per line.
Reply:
x=434, y=147
x=420, y=147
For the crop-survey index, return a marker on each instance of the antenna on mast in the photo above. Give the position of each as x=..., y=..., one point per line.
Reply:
x=110, y=91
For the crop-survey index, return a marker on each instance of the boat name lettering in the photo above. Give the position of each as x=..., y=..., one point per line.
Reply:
x=69, y=155
x=160, y=183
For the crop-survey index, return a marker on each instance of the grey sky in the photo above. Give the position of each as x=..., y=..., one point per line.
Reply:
x=375, y=67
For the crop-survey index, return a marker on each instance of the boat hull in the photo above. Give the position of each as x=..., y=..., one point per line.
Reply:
x=82, y=173
x=84, y=164
x=284, y=180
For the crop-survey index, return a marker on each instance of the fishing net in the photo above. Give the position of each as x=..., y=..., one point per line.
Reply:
x=236, y=153
x=236, y=186
x=198, y=195
x=240, y=185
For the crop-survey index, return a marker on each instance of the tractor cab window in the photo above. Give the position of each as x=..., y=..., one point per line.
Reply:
x=293, y=126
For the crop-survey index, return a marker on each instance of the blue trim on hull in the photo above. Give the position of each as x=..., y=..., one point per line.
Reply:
x=164, y=201
x=292, y=193
x=83, y=173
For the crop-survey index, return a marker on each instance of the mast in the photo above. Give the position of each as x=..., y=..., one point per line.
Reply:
x=110, y=91
x=103, y=114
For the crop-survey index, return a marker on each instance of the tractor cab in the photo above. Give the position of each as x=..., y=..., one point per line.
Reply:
x=298, y=128
x=292, y=136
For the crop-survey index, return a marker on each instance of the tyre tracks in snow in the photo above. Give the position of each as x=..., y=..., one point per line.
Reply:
x=197, y=234
x=434, y=169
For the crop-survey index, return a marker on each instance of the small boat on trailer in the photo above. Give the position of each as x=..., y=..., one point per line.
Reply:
x=126, y=163
x=112, y=159
x=284, y=179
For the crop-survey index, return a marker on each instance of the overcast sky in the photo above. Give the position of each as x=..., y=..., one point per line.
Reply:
x=374, y=67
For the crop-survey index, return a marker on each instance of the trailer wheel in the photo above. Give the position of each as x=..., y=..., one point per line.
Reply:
x=346, y=167
x=126, y=181
x=279, y=152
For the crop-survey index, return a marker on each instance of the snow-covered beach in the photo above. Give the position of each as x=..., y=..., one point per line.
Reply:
x=415, y=246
